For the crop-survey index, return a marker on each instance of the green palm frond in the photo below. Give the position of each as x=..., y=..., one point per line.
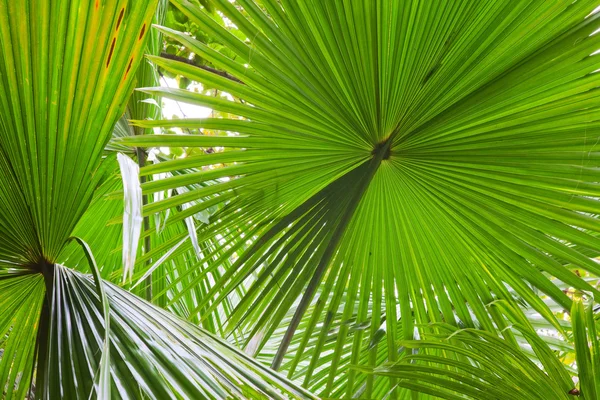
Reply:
x=438, y=157
x=587, y=348
x=474, y=364
x=152, y=352
x=105, y=239
x=21, y=300
x=67, y=70
x=314, y=371
x=478, y=365
x=56, y=88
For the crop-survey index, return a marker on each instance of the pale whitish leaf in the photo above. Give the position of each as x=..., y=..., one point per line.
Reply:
x=203, y=216
x=150, y=101
x=132, y=215
x=189, y=222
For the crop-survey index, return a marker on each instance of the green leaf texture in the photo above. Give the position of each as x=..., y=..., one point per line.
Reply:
x=399, y=163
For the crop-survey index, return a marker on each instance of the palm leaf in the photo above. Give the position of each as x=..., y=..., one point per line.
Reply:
x=417, y=154
x=477, y=365
x=50, y=105
x=21, y=303
x=152, y=352
x=67, y=70
x=587, y=348
x=474, y=364
x=105, y=240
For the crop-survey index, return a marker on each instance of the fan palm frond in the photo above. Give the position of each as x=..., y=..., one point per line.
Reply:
x=440, y=157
